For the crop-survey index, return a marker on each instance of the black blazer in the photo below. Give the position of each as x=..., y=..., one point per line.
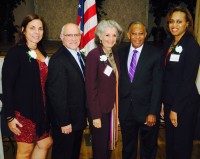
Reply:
x=66, y=91
x=21, y=86
x=179, y=86
x=144, y=93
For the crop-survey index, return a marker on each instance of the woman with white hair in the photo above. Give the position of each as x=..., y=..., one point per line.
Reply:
x=101, y=77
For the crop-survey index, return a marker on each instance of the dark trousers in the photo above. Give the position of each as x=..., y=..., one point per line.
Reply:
x=131, y=129
x=179, y=140
x=66, y=146
x=100, y=138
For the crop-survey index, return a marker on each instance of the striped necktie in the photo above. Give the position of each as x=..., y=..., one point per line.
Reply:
x=133, y=65
x=81, y=63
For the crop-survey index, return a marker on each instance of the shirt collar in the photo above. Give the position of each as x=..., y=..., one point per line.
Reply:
x=74, y=52
x=139, y=49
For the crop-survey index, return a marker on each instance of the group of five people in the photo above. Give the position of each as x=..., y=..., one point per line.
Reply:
x=133, y=80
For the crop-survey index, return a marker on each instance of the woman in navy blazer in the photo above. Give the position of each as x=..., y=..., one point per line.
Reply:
x=101, y=77
x=180, y=95
x=24, y=76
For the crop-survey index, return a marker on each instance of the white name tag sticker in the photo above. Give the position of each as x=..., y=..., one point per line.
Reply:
x=108, y=70
x=174, y=58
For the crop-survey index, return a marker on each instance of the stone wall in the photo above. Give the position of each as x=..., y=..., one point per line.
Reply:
x=126, y=11
x=57, y=12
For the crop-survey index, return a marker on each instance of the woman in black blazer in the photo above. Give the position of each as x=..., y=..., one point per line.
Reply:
x=180, y=95
x=101, y=77
x=24, y=76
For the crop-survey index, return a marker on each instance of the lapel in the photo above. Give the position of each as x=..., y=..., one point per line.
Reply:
x=73, y=62
x=166, y=49
x=124, y=61
x=182, y=42
x=141, y=62
x=108, y=63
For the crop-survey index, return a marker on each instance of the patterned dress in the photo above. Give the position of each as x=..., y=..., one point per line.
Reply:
x=28, y=131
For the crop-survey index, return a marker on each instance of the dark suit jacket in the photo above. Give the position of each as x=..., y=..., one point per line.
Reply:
x=66, y=91
x=144, y=93
x=179, y=77
x=100, y=88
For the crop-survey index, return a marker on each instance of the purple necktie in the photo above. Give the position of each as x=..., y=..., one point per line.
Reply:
x=133, y=65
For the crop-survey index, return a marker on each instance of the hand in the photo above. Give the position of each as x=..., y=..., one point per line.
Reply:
x=150, y=120
x=162, y=112
x=13, y=126
x=173, y=117
x=97, y=123
x=66, y=129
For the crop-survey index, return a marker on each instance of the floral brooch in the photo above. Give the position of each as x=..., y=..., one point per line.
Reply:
x=32, y=55
x=103, y=58
x=82, y=51
x=178, y=49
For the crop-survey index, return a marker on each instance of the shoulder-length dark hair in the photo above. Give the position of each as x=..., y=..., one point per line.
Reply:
x=21, y=37
x=188, y=18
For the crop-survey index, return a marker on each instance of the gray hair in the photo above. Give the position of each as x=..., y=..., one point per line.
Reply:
x=105, y=24
x=70, y=23
x=62, y=30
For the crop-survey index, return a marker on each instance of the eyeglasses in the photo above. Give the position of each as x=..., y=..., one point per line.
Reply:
x=71, y=35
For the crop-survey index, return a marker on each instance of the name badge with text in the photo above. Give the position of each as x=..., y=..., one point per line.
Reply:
x=174, y=58
x=108, y=70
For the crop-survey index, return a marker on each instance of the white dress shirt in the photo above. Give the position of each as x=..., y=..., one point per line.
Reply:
x=74, y=54
x=130, y=55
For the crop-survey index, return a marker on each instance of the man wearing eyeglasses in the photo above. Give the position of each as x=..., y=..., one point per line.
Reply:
x=66, y=95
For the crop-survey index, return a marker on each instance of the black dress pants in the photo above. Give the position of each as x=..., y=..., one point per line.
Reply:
x=131, y=131
x=179, y=140
x=66, y=146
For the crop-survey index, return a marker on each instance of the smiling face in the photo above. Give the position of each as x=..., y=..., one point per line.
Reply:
x=137, y=35
x=71, y=36
x=33, y=32
x=108, y=38
x=178, y=24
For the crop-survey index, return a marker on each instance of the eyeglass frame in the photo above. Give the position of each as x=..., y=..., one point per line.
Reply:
x=71, y=35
